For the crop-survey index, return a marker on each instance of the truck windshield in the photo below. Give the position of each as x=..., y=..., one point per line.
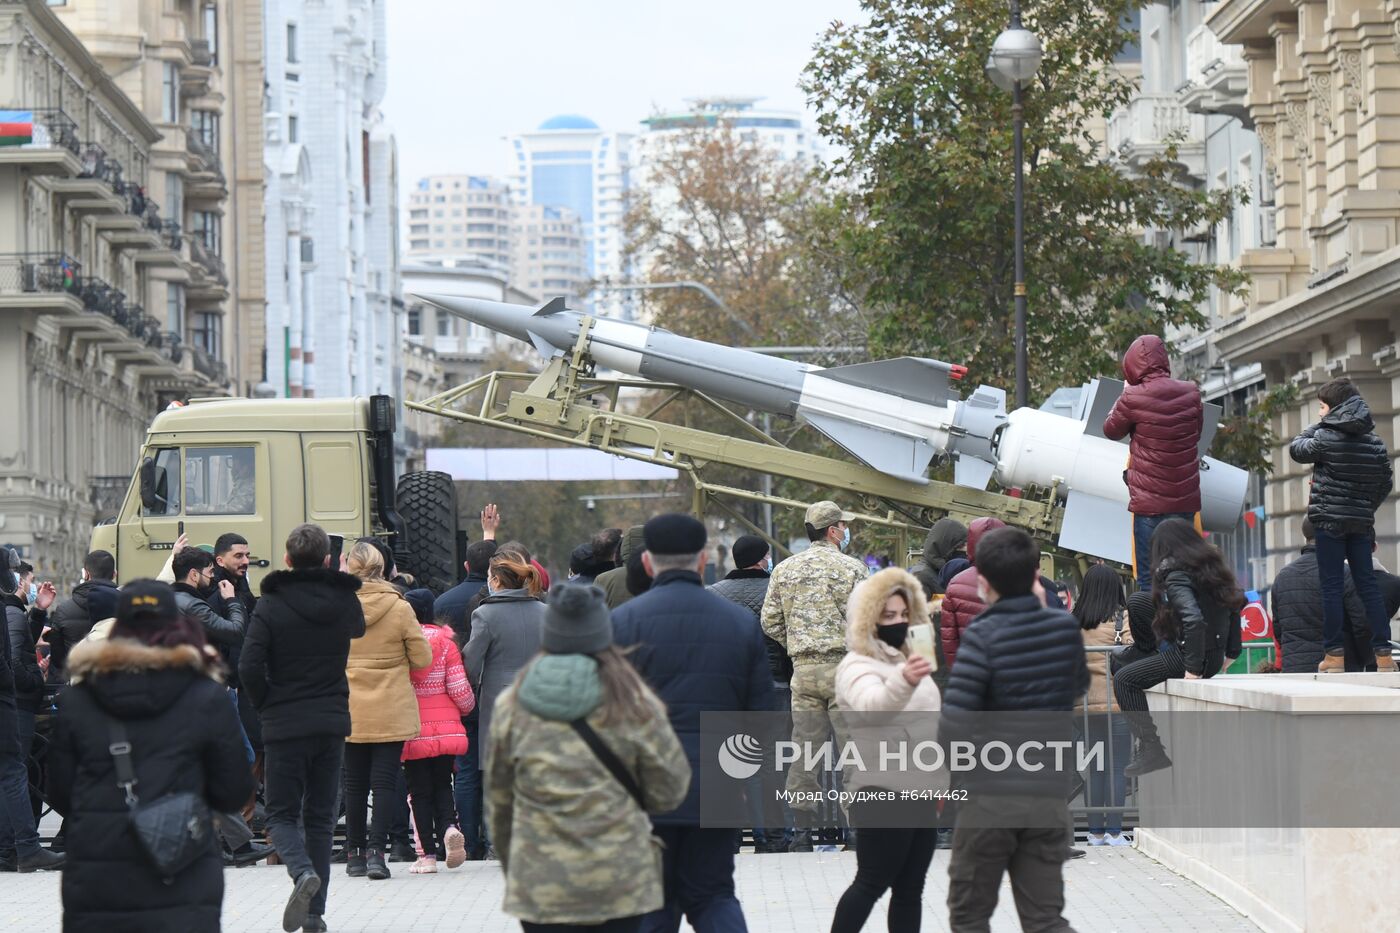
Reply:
x=220, y=481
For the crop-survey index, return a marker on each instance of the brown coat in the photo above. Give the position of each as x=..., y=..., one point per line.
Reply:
x=1100, y=695
x=383, y=707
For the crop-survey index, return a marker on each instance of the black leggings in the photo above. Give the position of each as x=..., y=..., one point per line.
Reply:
x=430, y=788
x=370, y=765
x=1132, y=680
x=896, y=859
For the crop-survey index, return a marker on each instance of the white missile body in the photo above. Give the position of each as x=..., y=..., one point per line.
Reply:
x=895, y=415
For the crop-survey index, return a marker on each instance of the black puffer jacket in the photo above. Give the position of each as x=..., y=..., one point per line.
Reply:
x=20, y=625
x=748, y=588
x=184, y=738
x=69, y=624
x=1296, y=598
x=1352, y=473
x=293, y=660
x=946, y=540
x=1206, y=631
x=1026, y=661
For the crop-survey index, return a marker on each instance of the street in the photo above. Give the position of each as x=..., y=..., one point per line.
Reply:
x=1110, y=891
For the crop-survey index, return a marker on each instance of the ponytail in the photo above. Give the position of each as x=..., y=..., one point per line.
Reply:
x=516, y=574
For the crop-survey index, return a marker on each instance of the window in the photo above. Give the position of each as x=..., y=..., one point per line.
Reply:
x=208, y=332
x=292, y=58
x=160, y=493
x=444, y=325
x=175, y=197
x=206, y=228
x=415, y=321
x=206, y=124
x=175, y=308
x=170, y=92
x=220, y=480
x=292, y=135
x=211, y=31
x=1245, y=177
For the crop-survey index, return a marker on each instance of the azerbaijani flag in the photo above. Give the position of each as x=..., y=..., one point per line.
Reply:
x=16, y=127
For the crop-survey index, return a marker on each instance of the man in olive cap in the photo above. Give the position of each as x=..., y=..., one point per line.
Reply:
x=805, y=612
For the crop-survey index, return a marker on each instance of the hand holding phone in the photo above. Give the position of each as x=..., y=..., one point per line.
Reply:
x=921, y=643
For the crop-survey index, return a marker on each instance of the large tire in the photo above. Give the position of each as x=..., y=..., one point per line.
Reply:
x=428, y=504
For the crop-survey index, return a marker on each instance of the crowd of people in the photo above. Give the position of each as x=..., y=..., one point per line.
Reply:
x=556, y=727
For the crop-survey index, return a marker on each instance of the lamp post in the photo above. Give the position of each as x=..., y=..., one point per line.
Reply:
x=1015, y=58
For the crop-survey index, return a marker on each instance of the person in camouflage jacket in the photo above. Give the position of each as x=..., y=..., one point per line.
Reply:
x=575, y=846
x=805, y=612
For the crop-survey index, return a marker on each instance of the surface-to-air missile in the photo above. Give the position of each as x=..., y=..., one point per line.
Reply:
x=896, y=415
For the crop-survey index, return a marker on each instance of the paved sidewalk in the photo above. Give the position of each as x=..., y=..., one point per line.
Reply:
x=1111, y=891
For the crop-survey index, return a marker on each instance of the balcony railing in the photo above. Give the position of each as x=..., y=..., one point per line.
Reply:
x=100, y=297
x=209, y=367
x=96, y=163
x=1148, y=125
x=1206, y=54
x=212, y=264
x=201, y=150
x=22, y=273
x=1217, y=78
x=53, y=129
x=170, y=232
x=200, y=53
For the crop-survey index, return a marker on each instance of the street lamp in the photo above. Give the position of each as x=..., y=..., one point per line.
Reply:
x=1015, y=58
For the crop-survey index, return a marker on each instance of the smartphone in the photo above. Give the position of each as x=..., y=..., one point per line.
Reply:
x=921, y=643
x=337, y=545
x=180, y=527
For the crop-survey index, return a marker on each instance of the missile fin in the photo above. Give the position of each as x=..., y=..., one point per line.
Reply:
x=898, y=455
x=553, y=306
x=910, y=377
x=547, y=349
x=972, y=473
x=1103, y=393
x=1097, y=526
x=1209, y=425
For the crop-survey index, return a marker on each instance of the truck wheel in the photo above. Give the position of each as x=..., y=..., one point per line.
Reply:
x=427, y=502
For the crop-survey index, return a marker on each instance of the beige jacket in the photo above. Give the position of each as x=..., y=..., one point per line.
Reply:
x=1100, y=698
x=870, y=685
x=383, y=707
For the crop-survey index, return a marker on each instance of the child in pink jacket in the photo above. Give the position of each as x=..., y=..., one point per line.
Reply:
x=444, y=697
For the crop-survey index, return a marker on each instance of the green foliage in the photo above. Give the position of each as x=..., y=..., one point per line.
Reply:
x=920, y=222
x=1246, y=439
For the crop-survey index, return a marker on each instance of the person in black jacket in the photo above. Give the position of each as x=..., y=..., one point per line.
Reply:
x=700, y=653
x=293, y=671
x=1017, y=657
x=68, y=623
x=23, y=624
x=195, y=585
x=1352, y=476
x=155, y=677
x=1296, y=597
x=1197, y=625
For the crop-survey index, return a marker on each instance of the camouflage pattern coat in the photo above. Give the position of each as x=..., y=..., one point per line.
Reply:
x=805, y=610
x=574, y=845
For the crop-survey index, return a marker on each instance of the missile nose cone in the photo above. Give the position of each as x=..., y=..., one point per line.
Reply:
x=496, y=315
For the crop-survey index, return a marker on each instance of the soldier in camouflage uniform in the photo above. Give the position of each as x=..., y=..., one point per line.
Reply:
x=805, y=612
x=575, y=846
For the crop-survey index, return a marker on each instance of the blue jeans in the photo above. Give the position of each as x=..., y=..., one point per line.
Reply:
x=1143, y=526
x=466, y=791
x=247, y=746
x=1355, y=551
x=1108, y=786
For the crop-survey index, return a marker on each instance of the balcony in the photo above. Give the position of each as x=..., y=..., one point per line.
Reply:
x=1149, y=127
x=196, y=78
x=206, y=180
x=213, y=370
x=210, y=262
x=200, y=53
x=95, y=189
x=1217, y=77
x=40, y=281
x=139, y=226
x=53, y=148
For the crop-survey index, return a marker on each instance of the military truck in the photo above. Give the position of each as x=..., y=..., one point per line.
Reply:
x=259, y=467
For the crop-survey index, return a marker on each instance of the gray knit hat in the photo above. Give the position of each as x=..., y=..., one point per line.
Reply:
x=576, y=620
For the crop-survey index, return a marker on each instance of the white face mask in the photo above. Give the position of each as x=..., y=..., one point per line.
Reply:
x=33, y=593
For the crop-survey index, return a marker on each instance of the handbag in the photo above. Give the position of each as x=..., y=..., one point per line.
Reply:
x=174, y=831
x=609, y=760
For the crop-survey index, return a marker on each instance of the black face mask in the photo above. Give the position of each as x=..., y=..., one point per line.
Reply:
x=893, y=635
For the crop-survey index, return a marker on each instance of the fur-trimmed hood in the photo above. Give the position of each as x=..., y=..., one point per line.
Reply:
x=132, y=680
x=868, y=601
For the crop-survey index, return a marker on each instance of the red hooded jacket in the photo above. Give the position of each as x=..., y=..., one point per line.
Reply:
x=961, y=604
x=1164, y=417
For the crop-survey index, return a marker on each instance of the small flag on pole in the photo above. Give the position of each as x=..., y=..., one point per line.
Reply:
x=16, y=127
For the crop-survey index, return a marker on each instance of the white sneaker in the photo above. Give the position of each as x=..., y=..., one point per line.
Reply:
x=1095, y=839
x=1116, y=839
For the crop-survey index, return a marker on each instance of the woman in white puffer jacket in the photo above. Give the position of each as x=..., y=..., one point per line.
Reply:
x=881, y=675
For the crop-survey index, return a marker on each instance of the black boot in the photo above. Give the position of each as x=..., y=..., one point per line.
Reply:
x=1151, y=757
x=43, y=860
x=801, y=841
x=375, y=869
x=303, y=890
x=355, y=863
x=402, y=852
x=314, y=924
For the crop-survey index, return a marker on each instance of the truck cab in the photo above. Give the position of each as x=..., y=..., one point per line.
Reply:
x=256, y=467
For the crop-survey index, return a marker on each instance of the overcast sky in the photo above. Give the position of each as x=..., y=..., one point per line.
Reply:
x=464, y=73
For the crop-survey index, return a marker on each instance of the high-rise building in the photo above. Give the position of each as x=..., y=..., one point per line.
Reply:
x=780, y=131
x=460, y=215
x=335, y=309
x=86, y=356
x=547, y=251
x=570, y=162
x=195, y=70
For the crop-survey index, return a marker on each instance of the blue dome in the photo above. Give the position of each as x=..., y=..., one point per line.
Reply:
x=568, y=121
